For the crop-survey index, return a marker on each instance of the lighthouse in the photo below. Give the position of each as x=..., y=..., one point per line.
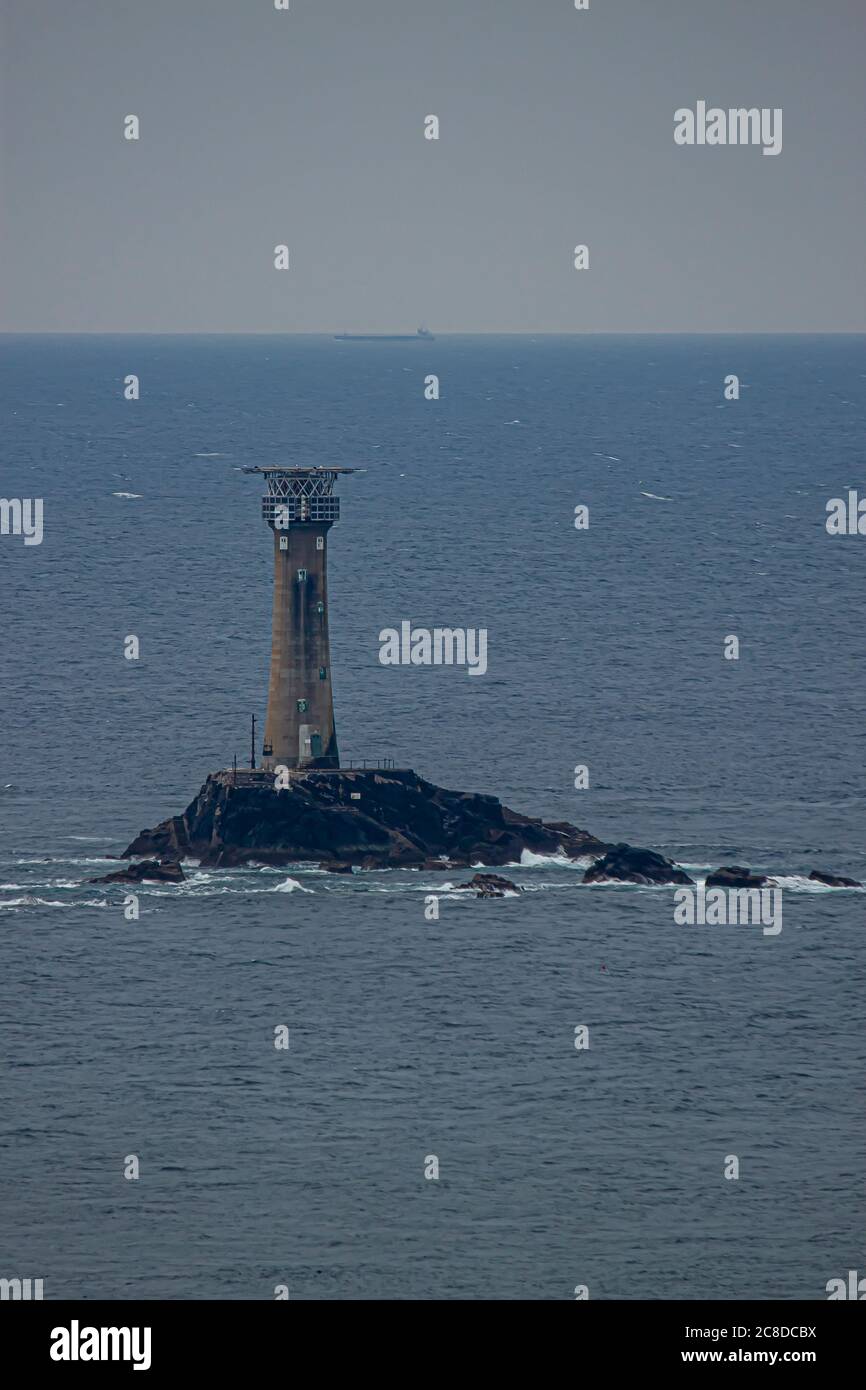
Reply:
x=300, y=508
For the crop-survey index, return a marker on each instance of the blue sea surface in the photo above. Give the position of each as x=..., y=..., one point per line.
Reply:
x=455, y=1038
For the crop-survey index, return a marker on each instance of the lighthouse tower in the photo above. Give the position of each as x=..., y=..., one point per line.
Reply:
x=300, y=508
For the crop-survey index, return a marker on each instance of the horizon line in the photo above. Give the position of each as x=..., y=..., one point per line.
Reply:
x=461, y=333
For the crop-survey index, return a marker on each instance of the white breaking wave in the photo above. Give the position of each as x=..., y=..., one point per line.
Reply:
x=798, y=883
x=640, y=887
x=290, y=885
x=62, y=859
x=136, y=495
x=303, y=866
x=793, y=883
x=48, y=902
x=656, y=497
x=530, y=860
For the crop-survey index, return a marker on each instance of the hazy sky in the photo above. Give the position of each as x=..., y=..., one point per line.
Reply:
x=260, y=127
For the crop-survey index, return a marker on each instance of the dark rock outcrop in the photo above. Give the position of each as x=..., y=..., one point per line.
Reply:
x=491, y=886
x=834, y=880
x=735, y=876
x=373, y=819
x=627, y=864
x=169, y=871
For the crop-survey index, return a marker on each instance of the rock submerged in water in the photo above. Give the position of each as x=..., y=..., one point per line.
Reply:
x=151, y=870
x=833, y=880
x=491, y=886
x=735, y=876
x=382, y=819
x=627, y=864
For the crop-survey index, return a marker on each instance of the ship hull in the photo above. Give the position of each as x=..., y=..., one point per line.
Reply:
x=383, y=338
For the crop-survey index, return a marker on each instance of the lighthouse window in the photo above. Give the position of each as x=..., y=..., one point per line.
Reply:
x=320, y=542
x=323, y=673
x=302, y=575
x=320, y=607
x=284, y=542
x=302, y=707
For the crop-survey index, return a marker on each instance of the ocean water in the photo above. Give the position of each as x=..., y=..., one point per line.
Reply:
x=453, y=1038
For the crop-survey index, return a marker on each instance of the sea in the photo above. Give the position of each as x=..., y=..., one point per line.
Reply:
x=539, y=1097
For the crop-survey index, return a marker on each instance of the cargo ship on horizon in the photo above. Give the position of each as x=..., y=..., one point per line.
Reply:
x=421, y=334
